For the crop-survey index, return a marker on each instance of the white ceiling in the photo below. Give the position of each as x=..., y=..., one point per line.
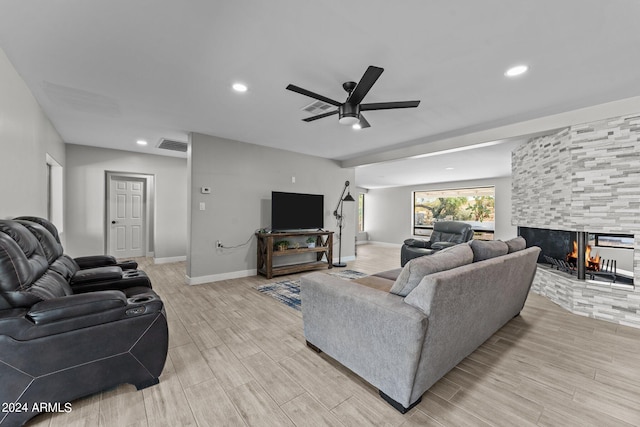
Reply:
x=108, y=73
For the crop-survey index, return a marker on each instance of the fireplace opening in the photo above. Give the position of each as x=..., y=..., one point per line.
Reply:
x=599, y=257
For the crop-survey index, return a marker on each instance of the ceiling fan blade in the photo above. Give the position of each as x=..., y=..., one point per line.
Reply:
x=320, y=116
x=388, y=105
x=310, y=94
x=363, y=122
x=364, y=85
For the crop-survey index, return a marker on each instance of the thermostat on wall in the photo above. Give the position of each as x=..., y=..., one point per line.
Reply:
x=205, y=190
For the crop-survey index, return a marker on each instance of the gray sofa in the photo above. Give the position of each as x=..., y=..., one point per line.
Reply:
x=404, y=329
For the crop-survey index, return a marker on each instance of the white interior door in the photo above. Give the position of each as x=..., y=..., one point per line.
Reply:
x=127, y=217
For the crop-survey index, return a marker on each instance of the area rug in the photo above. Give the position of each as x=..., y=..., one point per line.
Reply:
x=348, y=274
x=287, y=292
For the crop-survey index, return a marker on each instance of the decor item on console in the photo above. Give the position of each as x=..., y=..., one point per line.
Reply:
x=340, y=219
x=57, y=345
x=402, y=330
x=445, y=234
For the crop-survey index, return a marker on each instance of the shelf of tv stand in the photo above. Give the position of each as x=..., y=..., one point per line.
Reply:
x=266, y=252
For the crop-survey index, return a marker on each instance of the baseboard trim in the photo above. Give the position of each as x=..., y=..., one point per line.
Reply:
x=345, y=259
x=199, y=280
x=167, y=260
x=392, y=245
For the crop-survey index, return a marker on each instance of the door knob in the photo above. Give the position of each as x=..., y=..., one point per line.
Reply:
x=113, y=222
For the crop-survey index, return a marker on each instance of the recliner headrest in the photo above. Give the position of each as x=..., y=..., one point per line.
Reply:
x=43, y=222
x=25, y=277
x=456, y=227
x=23, y=237
x=52, y=248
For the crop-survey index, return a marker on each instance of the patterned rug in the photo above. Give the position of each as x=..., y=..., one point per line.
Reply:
x=288, y=291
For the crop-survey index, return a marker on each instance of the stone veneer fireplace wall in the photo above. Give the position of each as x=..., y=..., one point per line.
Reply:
x=583, y=178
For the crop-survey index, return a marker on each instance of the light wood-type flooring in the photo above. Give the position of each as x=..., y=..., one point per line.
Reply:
x=238, y=358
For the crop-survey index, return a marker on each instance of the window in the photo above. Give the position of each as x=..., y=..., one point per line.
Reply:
x=361, y=212
x=475, y=206
x=612, y=240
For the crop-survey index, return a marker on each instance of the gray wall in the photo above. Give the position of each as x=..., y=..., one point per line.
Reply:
x=26, y=136
x=85, y=198
x=242, y=177
x=388, y=215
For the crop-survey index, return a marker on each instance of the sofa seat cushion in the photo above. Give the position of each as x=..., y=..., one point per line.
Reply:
x=487, y=249
x=375, y=282
x=390, y=274
x=417, y=268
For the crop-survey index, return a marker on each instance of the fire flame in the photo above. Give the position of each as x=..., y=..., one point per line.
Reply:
x=589, y=261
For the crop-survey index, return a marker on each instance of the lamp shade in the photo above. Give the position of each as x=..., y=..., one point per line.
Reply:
x=348, y=198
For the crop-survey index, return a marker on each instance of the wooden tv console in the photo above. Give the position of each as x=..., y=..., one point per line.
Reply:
x=267, y=251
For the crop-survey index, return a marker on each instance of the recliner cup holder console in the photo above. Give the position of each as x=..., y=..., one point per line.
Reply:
x=140, y=299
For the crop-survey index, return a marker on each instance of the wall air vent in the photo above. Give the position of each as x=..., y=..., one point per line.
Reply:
x=318, y=107
x=168, y=144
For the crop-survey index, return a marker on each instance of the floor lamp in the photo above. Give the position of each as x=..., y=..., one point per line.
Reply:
x=339, y=218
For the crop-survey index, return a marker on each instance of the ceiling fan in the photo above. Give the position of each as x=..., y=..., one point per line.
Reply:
x=350, y=111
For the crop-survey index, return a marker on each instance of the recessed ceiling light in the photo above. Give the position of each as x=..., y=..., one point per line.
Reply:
x=141, y=142
x=516, y=71
x=357, y=126
x=239, y=87
x=448, y=169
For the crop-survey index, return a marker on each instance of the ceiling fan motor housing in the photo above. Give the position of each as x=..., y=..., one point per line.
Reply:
x=349, y=114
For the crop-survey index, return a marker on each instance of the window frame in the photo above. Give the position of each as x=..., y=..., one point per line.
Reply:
x=597, y=236
x=361, y=201
x=483, y=233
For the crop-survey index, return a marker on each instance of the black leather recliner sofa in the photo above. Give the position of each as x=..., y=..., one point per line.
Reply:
x=57, y=345
x=83, y=262
x=445, y=234
x=88, y=279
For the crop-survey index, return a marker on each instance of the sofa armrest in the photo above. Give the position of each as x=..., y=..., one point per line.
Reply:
x=418, y=243
x=371, y=332
x=99, y=274
x=93, y=261
x=71, y=306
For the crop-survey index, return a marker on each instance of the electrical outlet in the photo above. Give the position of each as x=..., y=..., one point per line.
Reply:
x=218, y=244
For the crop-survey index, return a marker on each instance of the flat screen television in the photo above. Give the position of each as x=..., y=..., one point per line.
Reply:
x=296, y=211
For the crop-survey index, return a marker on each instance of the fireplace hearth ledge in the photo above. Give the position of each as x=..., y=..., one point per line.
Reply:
x=604, y=301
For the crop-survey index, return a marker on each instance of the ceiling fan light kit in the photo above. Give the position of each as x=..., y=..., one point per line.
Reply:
x=349, y=112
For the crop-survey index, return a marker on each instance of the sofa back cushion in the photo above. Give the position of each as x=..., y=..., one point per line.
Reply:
x=487, y=249
x=451, y=231
x=417, y=268
x=516, y=244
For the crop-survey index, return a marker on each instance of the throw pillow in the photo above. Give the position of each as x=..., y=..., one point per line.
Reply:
x=417, y=268
x=516, y=244
x=486, y=249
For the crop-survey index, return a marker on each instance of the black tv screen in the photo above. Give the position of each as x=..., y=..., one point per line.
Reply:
x=296, y=211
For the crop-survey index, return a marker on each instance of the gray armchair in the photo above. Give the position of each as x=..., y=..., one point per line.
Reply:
x=445, y=234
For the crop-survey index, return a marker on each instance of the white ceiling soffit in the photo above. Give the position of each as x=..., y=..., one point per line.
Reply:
x=110, y=73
